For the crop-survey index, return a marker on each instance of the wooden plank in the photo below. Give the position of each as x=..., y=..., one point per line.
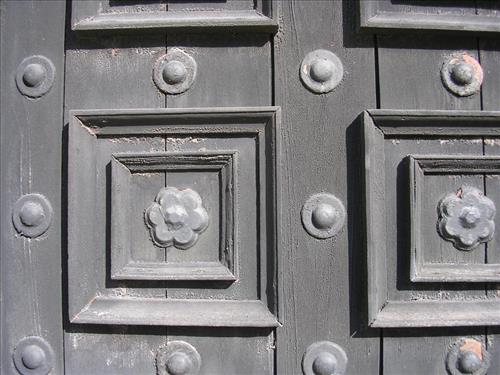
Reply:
x=31, y=132
x=112, y=72
x=409, y=76
x=386, y=16
x=233, y=70
x=230, y=351
x=490, y=62
x=423, y=351
x=236, y=68
x=176, y=312
x=410, y=72
x=322, y=295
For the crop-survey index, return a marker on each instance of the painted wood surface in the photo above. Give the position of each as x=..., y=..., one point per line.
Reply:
x=31, y=132
x=409, y=78
x=490, y=62
x=322, y=290
x=111, y=72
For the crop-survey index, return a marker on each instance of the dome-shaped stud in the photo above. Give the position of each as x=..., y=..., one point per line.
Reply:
x=178, y=363
x=323, y=215
x=469, y=362
x=467, y=356
x=462, y=74
x=33, y=356
x=324, y=364
x=175, y=72
x=178, y=358
x=324, y=358
x=35, y=76
x=32, y=215
x=321, y=71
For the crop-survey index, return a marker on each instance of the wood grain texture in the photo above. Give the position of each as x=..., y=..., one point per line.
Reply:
x=410, y=72
x=490, y=62
x=409, y=78
x=322, y=291
x=233, y=70
x=98, y=15
x=111, y=72
x=386, y=16
x=31, y=130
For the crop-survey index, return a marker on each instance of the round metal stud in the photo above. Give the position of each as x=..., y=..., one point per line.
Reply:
x=466, y=218
x=178, y=358
x=324, y=358
x=35, y=76
x=323, y=215
x=467, y=356
x=174, y=72
x=321, y=71
x=462, y=74
x=32, y=215
x=33, y=356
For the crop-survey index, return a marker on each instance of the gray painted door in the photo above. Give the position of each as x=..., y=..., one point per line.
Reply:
x=249, y=187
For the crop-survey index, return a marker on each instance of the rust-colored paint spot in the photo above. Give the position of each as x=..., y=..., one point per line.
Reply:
x=478, y=71
x=474, y=346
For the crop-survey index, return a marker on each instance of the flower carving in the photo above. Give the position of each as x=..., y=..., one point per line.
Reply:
x=466, y=218
x=176, y=218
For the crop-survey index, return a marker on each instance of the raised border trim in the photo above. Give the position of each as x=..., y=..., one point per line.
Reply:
x=378, y=125
x=373, y=20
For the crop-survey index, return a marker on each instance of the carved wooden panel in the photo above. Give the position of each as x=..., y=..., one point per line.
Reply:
x=119, y=15
x=425, y=175
x=457, y=16
x=179, y=195
x=419, y=167
x=216, y=254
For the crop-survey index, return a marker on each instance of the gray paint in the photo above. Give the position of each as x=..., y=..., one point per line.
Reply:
x=307, y=290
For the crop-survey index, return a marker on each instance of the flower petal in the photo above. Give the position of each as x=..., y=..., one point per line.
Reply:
x=184, y=237
x=198, y=219
x=190, y=198
x=153, y=215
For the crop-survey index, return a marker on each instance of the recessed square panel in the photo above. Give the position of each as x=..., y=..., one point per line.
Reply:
x=413, y=160
x=224, y=15
x=414, y=15
x=213, y=255
x=432, y=258
x=171, y=216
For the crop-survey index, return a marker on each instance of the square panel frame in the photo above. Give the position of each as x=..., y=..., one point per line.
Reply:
x=123, y=165
x=373, y=19
x=90, y=299
x=377, y=126
x=446, y=165
x=87, y=16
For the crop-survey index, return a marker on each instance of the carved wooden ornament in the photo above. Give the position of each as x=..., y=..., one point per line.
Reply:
x=176, y=218
x=466, y=218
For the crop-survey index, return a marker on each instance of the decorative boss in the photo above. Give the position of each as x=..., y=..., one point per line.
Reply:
x=466, y=218
x=176, y=218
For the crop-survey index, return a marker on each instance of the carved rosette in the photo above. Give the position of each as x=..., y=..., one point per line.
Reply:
x=176, y=218
x=466, y=218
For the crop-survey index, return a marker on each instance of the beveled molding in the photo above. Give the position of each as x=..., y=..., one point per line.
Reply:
x=88, y=15
x=446, y=165
x=92, y=297
x=378, y=127
x=222, y=162
x=376, y=16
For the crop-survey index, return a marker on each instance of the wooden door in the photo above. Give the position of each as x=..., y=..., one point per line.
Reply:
x=249, y=187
